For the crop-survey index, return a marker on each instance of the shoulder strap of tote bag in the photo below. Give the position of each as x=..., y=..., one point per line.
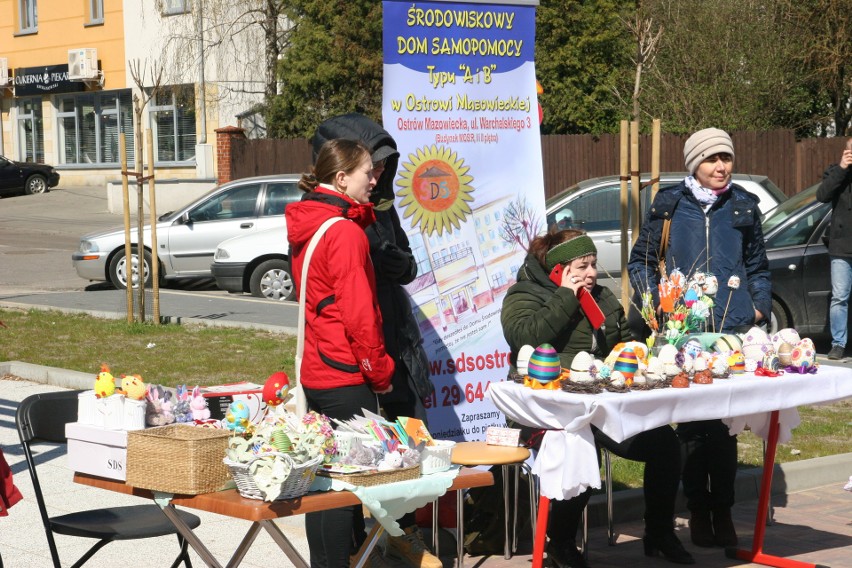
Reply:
x=299, y=395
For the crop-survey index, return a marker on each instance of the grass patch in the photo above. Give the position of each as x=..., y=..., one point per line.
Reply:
x=199, y=355
x=163, y=354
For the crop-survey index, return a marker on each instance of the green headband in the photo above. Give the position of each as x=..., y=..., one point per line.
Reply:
x=572, y=249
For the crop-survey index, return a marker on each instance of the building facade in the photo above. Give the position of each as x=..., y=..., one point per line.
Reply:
x=75, y=73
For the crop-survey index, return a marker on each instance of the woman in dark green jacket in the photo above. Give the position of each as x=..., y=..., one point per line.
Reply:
x=537, y=310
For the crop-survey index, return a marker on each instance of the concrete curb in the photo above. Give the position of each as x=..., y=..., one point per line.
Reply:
x=628, y=505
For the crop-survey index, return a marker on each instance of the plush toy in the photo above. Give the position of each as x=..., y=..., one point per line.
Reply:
x=104, y=383
x=198, y=404
x=182, y=410
x=132, y=387
x=155, y=414
x=237, y=417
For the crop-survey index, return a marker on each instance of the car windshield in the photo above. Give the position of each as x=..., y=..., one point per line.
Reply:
x=789, y=207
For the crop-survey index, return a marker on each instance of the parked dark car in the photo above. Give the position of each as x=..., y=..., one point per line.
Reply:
x=26, y=177
x=796, y=244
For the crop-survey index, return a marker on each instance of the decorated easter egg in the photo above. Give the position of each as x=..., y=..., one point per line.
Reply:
x=655, y=372
x=626, y=363
x=727, y=343
x=668, y=353
x=639, y=349
x=750, y=365
x=784, y=352
x=693, y=348
x=771, y=362
x=580, y=367
x=523, y=361
x=276, y=388
x=736, y=362
x=756, y=344
x=617, y=379
x=787, y=335
x=720, y=367
x=544, y=364
x=803, y=354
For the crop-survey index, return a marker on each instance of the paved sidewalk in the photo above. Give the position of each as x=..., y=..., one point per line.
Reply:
x=814, y=525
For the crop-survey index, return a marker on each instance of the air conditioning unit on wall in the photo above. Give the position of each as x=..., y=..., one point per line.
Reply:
x=5, y=80
x=82, y=63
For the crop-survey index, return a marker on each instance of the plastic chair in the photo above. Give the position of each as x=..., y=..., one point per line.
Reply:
x=479, y=453
x=41, y=419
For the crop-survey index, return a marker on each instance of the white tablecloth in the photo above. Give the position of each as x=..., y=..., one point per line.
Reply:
x=567, y=463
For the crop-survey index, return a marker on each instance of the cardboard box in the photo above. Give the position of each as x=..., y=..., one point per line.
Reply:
x=97, y=451
x=502, y=436
x=220, y=397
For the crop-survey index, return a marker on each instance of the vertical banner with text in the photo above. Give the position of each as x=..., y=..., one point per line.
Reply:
x=460, y=99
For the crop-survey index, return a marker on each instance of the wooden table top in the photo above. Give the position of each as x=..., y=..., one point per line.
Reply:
x=232, y=504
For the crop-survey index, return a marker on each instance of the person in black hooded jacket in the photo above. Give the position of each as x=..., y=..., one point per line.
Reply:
x=395, y=266
x=836, y=188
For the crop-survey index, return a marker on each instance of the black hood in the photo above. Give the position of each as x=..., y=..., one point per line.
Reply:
x=355, y=126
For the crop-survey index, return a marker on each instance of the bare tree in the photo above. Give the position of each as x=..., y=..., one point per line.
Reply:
x=521, y=223
x=647, y=35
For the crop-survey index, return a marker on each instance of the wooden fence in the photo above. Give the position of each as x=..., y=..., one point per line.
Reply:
x=568, y=159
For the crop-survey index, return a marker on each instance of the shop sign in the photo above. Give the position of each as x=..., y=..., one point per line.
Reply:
x=45, y=79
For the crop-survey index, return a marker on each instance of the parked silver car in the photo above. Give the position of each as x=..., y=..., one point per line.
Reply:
x=187, y=238
x=594, y=206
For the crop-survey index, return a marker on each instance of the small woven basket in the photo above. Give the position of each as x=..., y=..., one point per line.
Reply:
x=297, y=483
x=177, y=458
x=368, y=479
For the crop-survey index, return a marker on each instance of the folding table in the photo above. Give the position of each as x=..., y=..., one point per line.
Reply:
x=261, y=513
x=567, y=460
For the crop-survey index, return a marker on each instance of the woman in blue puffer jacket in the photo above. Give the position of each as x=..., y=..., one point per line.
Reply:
x=715, y=229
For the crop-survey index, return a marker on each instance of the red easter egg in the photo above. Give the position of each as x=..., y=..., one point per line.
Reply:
x=276, y=388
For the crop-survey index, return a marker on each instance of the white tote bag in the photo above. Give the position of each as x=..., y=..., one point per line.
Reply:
x=301, y=405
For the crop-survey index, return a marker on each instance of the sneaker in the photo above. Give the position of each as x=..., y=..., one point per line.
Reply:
x=410, y=548
x=836, y=352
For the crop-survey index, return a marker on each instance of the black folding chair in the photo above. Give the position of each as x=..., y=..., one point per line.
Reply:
x=41, y=419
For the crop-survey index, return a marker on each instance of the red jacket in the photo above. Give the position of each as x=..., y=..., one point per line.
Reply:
x=343, y=326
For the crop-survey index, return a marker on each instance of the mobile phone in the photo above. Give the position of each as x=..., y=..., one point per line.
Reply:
x=556, y=274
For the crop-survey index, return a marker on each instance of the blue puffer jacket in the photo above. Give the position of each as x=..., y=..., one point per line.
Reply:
x=726, y=241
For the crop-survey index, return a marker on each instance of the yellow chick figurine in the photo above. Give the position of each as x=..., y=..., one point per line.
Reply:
x=132, y=387
x=104, y=383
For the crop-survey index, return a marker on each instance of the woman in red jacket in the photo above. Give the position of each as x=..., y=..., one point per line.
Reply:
x=344, y=365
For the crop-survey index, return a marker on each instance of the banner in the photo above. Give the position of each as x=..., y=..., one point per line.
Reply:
x=460, y=100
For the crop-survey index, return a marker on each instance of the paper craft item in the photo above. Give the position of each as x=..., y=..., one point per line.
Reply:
x=416, y=430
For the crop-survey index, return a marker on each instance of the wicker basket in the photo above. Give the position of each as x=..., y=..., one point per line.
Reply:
x=368, y=479
x=297, y=483
x=177, y=458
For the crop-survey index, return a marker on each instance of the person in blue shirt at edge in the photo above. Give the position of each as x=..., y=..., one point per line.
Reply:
x=715, y=229
x=394, y=265
x=537, y=310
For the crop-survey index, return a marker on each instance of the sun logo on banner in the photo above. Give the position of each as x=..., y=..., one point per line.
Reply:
x=435, y=189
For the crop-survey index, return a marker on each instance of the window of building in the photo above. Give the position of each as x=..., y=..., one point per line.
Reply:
x=27, y=16
x=90, y=125
x=172, y=117
x=96, y=11
x=30, y=131
x=169, y=7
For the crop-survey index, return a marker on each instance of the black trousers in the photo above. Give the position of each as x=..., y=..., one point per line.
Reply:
x=336, y=534
x=709, y=464
x=659, y=449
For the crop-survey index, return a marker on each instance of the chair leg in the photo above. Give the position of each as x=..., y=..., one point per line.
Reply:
x=460, y=528
x=435, y=538
x=768, y=497
x=507, y=543
x=183, y=556
x=533, y=488
x=91, y=552
x=608, y=473
x=584, y=540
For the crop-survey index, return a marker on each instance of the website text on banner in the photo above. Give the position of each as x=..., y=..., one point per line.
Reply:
x=460, y=100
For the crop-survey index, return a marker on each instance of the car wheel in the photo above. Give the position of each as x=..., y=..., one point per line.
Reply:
x=778, y=319
x=35, y=184
x=272, y=279
x=118, y=270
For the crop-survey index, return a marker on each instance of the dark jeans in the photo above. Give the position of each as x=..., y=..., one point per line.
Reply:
x=659, y=449
x=335, y=534
x=709, y=464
